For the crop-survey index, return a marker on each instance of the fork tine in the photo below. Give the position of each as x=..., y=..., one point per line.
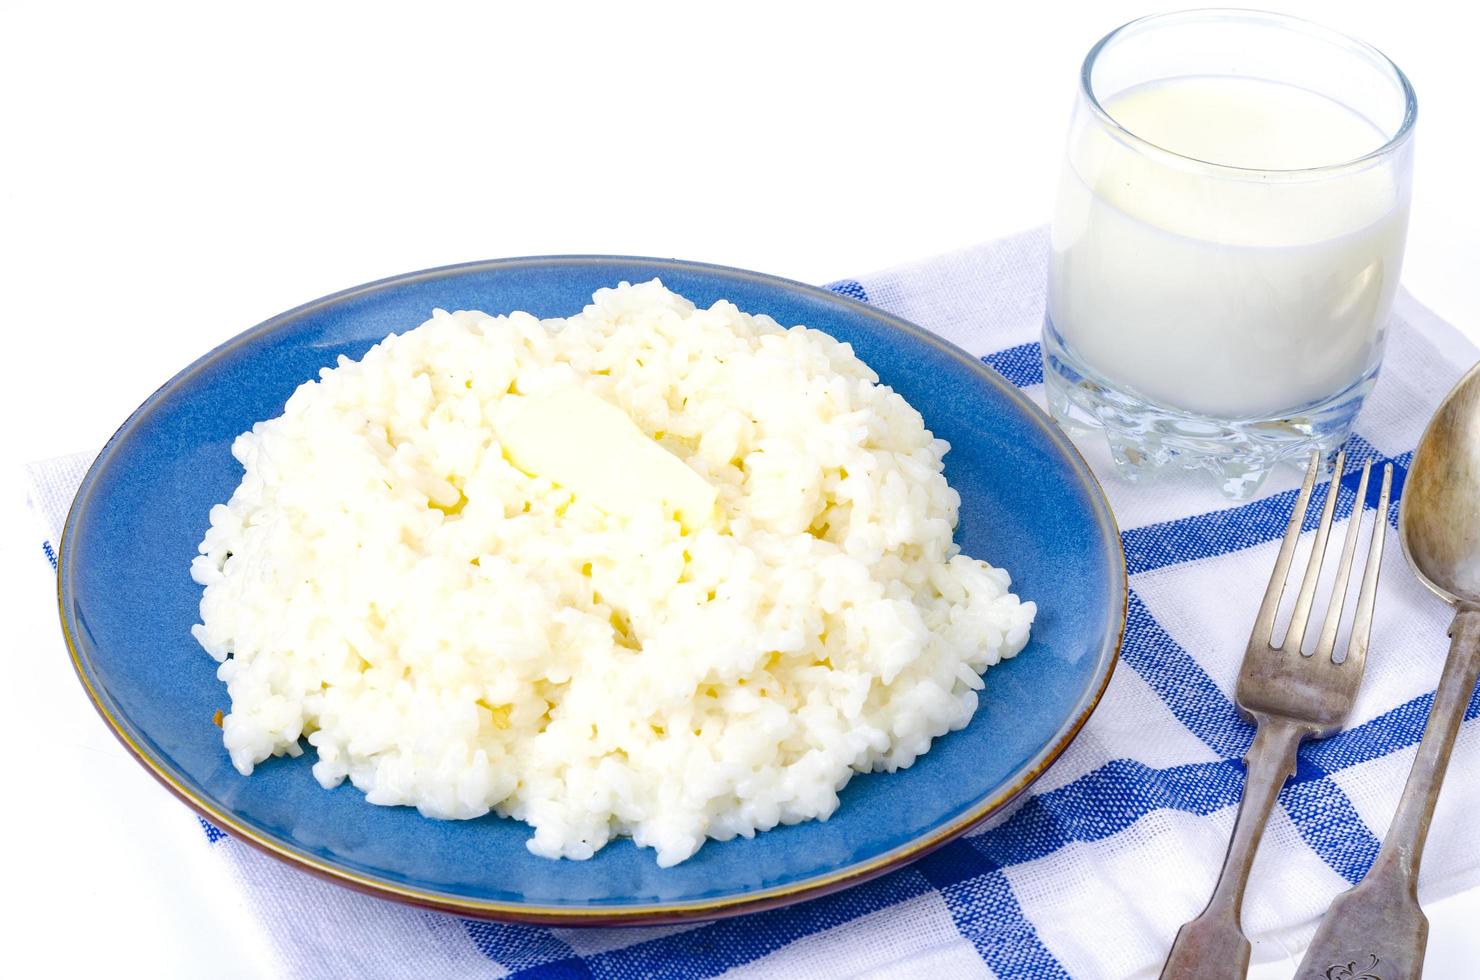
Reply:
x=1295, y=635
x=1327, y=642
x=1356, y=647
x=1264, y=622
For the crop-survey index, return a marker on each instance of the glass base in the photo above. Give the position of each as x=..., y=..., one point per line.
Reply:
x=1145, y=438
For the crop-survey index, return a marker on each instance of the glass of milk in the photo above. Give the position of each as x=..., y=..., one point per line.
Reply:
x=1227, y=242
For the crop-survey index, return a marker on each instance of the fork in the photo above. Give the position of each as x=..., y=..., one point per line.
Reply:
x=1290, y=696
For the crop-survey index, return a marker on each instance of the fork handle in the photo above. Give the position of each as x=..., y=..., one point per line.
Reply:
x=1380, y=920
x=1213, y=945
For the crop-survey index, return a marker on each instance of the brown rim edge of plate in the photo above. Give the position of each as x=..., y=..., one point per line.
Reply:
x=657, y=913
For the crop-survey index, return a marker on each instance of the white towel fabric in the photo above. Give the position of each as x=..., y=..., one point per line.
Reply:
x=1121, y=840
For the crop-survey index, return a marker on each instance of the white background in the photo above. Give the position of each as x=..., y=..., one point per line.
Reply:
x=171, y=176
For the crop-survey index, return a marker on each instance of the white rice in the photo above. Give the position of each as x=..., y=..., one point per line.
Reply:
x=455, y=635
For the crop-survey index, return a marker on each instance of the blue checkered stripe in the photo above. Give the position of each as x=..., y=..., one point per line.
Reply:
x=969, y=873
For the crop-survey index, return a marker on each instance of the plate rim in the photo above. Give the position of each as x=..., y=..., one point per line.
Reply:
x=693, y=910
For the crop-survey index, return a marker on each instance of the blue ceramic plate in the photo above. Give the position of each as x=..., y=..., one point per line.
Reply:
x=127, y=603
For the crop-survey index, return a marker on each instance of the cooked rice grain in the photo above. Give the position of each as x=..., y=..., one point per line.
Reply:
x=452, y=634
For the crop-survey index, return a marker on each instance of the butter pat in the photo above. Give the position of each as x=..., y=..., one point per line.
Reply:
x=590, y=447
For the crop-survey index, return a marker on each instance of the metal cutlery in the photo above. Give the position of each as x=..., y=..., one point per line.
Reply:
x=1291, y=696
x=1377, y=928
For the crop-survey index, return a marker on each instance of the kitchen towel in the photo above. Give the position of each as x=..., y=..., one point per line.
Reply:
x=1120, y=841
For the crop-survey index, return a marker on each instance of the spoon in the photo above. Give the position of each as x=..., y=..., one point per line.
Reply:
x=1377, y=928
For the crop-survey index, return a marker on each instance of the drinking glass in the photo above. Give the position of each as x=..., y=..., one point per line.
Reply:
x=1227, y=241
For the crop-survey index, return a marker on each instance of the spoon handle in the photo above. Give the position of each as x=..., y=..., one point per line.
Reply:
x=1377, y=928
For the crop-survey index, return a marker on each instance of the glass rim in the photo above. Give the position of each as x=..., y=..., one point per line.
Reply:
x=1390, y=145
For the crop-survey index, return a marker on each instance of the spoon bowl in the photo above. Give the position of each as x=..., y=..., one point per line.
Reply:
x=1439, y=518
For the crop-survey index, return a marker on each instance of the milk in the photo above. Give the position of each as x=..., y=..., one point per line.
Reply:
x=1239, y=294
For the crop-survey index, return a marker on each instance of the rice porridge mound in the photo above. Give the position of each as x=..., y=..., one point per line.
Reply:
x=454, y=633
